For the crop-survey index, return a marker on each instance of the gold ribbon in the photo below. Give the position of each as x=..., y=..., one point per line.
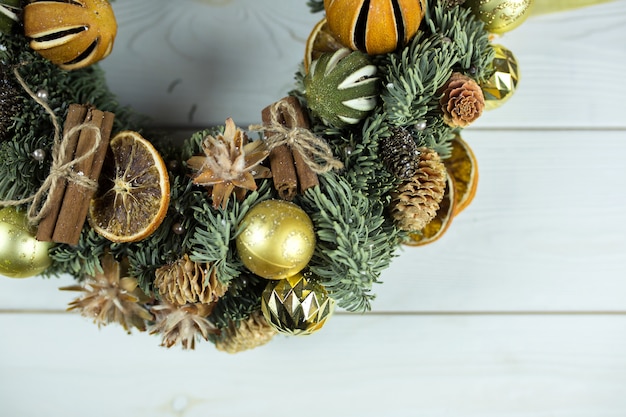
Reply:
x=59, y=171
x=311, y=147
x=551, y=6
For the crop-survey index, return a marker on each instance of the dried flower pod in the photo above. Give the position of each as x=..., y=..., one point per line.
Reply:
x=72, y=34
x=415, y=202
x=462, y=101
x=111, y=297
x=230, y=164
x=247, y=334
x=182, y=325
x=185, y=282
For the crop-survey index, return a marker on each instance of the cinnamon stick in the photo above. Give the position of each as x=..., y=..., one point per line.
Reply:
x=307, y=178
x=281, y=165
x=77, y=198
x=75, y=115
x=96, y=168
x=284, y=172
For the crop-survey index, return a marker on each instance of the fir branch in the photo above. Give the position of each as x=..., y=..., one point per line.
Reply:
x=467, y=35
x=243, y=298
x=355, y=242
x=315, y=5
x=413, y=77
x=213, y=238
x=82, y=259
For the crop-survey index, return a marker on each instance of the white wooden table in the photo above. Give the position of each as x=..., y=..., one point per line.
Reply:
x=520, y=310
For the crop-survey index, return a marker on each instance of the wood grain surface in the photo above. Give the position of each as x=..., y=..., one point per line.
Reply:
x=519, y=310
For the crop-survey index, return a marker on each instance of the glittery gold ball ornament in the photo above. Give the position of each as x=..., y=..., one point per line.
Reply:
x=21, y=255
x=502, y=84
x=500, y=16
x=277, y=239
x=296, y=305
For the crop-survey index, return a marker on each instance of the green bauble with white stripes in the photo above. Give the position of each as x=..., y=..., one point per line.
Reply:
x=341, y=87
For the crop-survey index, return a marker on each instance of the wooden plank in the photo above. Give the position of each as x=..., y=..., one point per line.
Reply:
x=546, y=232
x=571, y=63
x=356, y=366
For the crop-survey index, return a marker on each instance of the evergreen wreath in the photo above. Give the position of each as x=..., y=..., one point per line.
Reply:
x=239, y=239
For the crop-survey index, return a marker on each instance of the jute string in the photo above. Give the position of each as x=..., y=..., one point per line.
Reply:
x=312, y=148
x=59, y=171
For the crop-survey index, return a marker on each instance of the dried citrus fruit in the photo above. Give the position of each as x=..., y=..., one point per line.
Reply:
x=320, y=40
x=463, y=167
x=134, y=190
x=440, y=223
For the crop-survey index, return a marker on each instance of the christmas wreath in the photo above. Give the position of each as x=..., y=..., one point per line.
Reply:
x=239, y=234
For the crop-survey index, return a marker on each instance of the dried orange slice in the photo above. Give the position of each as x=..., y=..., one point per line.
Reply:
x=320, y=40
x=440, y=223
x=134, y=190
x=463, y=167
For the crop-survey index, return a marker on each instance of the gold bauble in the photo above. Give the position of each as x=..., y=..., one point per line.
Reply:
x=277, y=239
x=503, y=82
x=296, y=305
x=21, y=255
x=500, y=16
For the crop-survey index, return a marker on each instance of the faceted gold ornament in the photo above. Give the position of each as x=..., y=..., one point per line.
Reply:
x=71, y=34
x=21, y=255
x=502, y=84
x=500, y=16
x=296, y=306
x=277, y=239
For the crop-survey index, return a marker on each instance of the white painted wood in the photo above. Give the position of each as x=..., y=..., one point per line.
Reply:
x=469, y=366
x=546, y=233
x=233, y=58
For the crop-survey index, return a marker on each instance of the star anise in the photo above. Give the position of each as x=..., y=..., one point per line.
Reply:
x=230, y=164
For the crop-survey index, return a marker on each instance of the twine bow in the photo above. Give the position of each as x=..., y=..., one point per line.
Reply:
x=311, y=147
x=59, y=171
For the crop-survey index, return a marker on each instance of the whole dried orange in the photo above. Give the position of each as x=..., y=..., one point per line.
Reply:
x=134, y=190
x=463, y=167
x=320, y=40
x=440, y=223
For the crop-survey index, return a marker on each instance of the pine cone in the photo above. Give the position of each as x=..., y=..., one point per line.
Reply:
x=10, y=101
x=248, y=334
x=399, y=154
x=182, y=325
x=416, y=201
x=187, y=282
x=462, y=101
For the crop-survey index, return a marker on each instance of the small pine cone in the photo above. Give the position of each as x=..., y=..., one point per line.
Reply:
x=182, y=324
x=248, y=334
x=188, y=282
x=399, y=154
x=10, y=101
x=462, y=101
x=416, y=201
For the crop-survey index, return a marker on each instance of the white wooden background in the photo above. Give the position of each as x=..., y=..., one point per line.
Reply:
x=520, y=310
